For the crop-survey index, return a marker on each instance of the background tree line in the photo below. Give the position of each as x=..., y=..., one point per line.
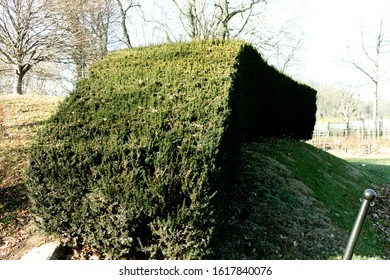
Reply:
x=339, y=104
x=45, y=42
x=39, y=38
x=47, y=45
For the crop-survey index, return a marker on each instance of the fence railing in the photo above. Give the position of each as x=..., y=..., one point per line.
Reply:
x=356, y=136
x=356, y=128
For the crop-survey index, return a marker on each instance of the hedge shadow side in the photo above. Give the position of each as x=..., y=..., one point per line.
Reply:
x=137, y=160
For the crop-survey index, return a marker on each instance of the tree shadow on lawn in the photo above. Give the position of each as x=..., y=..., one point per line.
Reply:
x=13, y=199
x=14, y=202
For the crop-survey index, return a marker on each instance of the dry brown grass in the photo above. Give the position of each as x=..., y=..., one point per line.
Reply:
x=20, y=119
x=353, y=146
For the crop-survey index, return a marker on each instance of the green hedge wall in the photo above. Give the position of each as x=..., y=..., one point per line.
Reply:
x=136, y=162
x=270, y=103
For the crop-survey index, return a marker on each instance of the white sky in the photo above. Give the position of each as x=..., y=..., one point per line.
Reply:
x=328, y=27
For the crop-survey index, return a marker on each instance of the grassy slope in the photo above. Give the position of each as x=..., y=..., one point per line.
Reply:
x=292, y=201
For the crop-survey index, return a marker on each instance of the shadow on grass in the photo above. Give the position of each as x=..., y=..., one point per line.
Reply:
x=13, y=199
x=274, y=214
x=27, y=124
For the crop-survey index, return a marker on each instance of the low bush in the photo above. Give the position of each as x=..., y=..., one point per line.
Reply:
x=137, y=160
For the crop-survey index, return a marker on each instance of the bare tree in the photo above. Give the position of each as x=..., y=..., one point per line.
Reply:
x=226, y=12
x=194, y=17
x=124, y=7
x=279, y=41
x=338, y=103
x=286, y=53
x=204, y=19
x=372, y=67
x=29, y=34
x=45, y=79
x=87, y=29
x=276, y=33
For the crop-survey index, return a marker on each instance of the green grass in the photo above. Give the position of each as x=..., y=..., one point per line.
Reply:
x=379, y=168
x=294, y=201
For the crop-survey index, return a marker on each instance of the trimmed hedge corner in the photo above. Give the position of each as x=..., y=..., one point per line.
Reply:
x=136, y=162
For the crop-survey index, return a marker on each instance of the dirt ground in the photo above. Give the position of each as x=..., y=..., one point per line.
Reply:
x=25, y=246
x=21, y=241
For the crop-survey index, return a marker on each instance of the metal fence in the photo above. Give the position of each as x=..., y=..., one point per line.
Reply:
x=356, y=136
x=361, y=129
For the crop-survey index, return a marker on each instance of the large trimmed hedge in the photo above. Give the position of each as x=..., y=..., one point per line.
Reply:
x=137, y=160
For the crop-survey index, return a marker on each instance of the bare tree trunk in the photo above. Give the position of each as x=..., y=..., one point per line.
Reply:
x=374, y=76
x=81, y=66
x=18, y=84
x=123, y=14
x=375, y=105
x=224, y=20
x=375, y=112
x=20, y=72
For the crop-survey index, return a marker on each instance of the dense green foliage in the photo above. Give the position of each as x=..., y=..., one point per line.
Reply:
x=271, y=104
x=137, y=160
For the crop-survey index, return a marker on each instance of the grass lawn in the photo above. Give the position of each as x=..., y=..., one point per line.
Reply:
x=378, y=167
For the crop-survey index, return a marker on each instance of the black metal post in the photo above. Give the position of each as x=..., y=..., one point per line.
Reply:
x=368, y=196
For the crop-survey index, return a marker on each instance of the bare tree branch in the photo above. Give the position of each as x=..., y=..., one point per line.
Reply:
x=371, y=77
x=123, y=15
x=227, y=13
x=365, y=50
x=202, y=19
x=87, y=24
x=373, y=74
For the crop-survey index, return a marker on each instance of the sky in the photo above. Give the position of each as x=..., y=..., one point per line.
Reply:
x=331, y=35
